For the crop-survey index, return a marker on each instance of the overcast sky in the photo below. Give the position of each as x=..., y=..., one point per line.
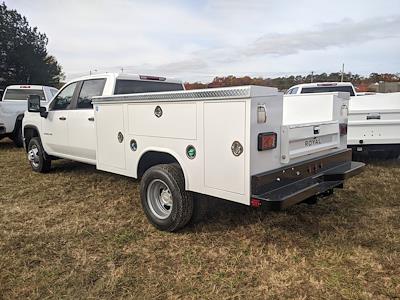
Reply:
x=198, y=40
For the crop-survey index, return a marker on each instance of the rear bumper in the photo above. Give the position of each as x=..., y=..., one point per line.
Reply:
x=293, y=184
x=370, y=148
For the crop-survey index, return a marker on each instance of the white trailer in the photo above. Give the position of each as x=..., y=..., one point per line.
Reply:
x=229, y=143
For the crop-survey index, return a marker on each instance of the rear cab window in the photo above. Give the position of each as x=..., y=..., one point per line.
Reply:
x=327, y=89
x=22, y=94
x=125, y=86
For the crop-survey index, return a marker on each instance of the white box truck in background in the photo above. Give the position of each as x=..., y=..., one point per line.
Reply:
x=229, y=143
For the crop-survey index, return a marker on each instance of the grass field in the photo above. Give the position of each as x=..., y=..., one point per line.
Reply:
x=79, y=233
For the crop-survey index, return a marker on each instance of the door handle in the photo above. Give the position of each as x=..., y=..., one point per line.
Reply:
x=91, y=119
x=62, y=118
x=373, y=117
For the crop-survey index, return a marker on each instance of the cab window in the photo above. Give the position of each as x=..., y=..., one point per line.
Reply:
x=23, y=94
x=294, y=90
x=63, y=99
x=90, y=88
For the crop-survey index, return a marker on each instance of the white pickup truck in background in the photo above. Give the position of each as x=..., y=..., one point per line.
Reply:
x=13, y=105
x=374, y=119
x=228, y=143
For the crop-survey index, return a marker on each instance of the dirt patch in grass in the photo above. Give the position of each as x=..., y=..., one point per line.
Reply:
x=81, y=233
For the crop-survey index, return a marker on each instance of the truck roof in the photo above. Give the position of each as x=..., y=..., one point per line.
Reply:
x=28, y=86
x=128, y=76
x=322, y=84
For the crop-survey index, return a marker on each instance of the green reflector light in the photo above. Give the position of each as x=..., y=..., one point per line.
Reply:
x=191, y=152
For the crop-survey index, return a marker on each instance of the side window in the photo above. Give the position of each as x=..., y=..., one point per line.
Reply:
x=90, y=88
x=64, y=98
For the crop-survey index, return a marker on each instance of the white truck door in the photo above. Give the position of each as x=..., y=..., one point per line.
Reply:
x=224, y=124
x=81, y=125
x=55, y=126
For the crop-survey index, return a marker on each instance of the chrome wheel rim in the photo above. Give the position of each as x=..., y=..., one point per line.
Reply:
x=159, y=199
x=33, y=156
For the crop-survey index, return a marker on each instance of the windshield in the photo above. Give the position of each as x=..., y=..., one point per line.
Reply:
x=140, y=86
x=22, y=94
x=327, y=89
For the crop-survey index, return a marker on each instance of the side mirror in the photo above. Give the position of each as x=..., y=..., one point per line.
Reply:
x=34, y=106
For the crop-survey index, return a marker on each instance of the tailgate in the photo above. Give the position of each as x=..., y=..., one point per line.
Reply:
x=381, y=127
x=305, y=139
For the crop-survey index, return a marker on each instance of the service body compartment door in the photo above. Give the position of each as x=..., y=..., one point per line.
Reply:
x=110, y=136
x=224, y=124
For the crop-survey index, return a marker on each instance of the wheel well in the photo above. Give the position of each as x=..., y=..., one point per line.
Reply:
x=29, y=133
x=152, y=158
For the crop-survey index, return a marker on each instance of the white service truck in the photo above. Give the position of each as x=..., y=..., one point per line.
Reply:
x=13, y=104
x=227, y=143
x=374, y=119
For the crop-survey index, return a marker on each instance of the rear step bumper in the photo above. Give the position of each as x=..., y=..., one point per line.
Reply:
x=296, y=183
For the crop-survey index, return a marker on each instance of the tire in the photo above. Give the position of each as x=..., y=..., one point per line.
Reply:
x=17, y=136
x=37, y=157
x=164, y=200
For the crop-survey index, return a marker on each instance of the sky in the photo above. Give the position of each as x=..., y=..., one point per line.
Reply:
x=198, y=40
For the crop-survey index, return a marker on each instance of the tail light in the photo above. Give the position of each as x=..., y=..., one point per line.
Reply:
x=343, y=128
x=255, y=202
x=266, y=141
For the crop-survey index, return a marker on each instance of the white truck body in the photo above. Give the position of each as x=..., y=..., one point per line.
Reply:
x=211, y=121
x=374, y=119
x=229, y=143
x=14, y=104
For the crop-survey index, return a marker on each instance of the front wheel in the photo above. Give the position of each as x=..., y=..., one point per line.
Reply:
x=166, y=203
x=37, y=156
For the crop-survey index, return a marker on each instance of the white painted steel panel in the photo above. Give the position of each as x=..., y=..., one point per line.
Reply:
x=178, y=120
x=224, y=123
x=298, y=109
x=109, y=122
x=301, y=140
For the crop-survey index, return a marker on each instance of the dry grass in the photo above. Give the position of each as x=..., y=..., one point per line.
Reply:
x=80, y=233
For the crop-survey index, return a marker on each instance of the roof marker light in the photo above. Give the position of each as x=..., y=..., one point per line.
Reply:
x=145, y=77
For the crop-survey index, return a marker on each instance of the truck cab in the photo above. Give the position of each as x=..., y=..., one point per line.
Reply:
x=13, y=105
x=66, y=127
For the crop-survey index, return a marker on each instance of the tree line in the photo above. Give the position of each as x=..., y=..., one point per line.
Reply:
x=285, y=82
x=23, y=54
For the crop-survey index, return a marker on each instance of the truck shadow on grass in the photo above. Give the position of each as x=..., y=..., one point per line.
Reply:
x=341, y=222
x=6, y=143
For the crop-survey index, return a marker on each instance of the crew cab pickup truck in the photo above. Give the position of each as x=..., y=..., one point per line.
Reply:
x=13, y=105
x=68, y=131
x=227, y=143
x=374, y=119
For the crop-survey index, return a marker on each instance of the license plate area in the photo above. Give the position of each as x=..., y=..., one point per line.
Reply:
x=305, y=139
